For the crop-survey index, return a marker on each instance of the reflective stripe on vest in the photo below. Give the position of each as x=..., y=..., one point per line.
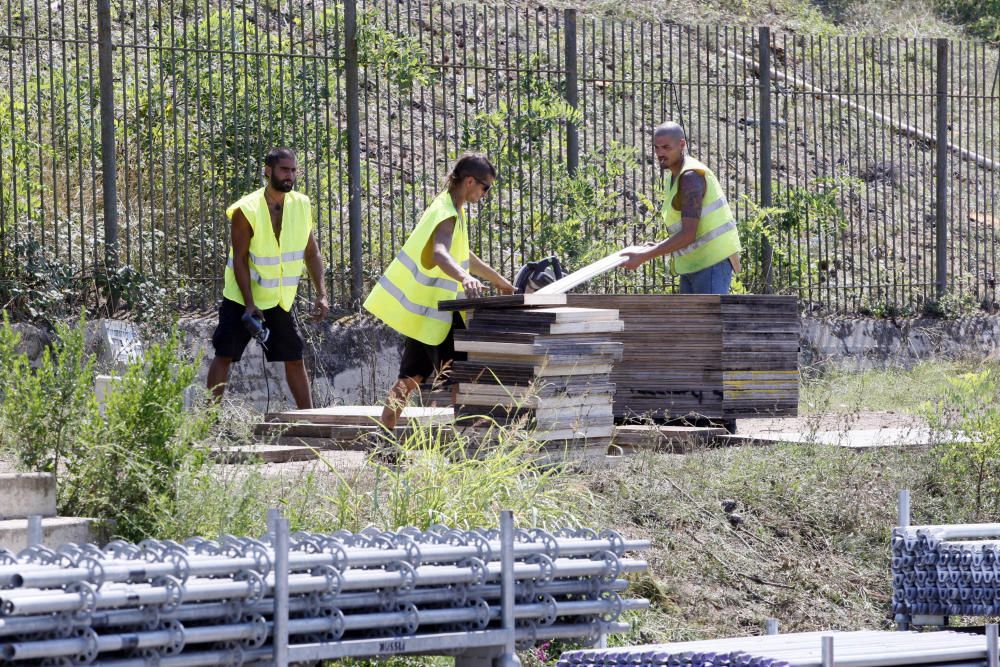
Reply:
x=717, y=237
x=417, y=309
x=703, y=240
x=440, y=283
x=286, y=281
x=407, y=294
x=705, y=210
x=276, y=265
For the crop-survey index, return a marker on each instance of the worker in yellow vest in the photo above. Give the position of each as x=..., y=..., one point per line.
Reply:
x=435, y=264
x=272, y=241
x=703, y=243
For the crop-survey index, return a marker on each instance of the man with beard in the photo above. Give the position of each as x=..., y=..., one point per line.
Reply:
x=703, y=241
x=272, y=240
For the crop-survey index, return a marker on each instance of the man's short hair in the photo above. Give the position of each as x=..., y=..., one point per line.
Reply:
x=279, y=153
x=670, y=129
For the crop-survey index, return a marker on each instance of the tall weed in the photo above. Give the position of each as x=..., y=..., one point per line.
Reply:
x=967, y=417
x=450, y=479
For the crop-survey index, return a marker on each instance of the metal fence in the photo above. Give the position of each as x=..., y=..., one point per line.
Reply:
x=863, y=171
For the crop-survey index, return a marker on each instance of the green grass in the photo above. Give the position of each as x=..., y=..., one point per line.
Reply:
x=893, y=389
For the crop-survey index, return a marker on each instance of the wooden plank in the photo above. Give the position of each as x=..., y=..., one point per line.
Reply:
x=532, y=401
x=359, y=415
x=243, y=454
x=510, y=301
x=570, y=351
x=589, y=272
x=552, y=315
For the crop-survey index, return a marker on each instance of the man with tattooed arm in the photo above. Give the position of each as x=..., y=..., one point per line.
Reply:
x=703, y=242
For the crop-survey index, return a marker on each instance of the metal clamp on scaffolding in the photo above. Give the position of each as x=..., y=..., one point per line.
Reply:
x=475, y=594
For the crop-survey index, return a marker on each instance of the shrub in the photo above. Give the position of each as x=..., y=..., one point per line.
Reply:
x=44, y=410
x=123, y=466
x=967, y=417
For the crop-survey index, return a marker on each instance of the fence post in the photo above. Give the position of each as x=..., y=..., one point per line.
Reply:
x=764, y=122
x=572, y=132
x=941, y=168
x=109, y=169
x=353, y=145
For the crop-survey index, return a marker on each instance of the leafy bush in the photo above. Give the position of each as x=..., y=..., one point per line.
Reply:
x=952, y=305
x=35, y=285
x=980, y=17
x=123, y=466
x=44, y=411
x=806, y=220
x=967, y=417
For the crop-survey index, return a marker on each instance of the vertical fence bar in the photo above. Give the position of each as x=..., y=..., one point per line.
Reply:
x=509, y=657
x=353, y=145
x=109, y=173
x=903, y=509
x=572, y=132
x=280, y=631
x=941, y=168
x=764, y=122
x=827, y=652
x=35, y=533
x=992, y=653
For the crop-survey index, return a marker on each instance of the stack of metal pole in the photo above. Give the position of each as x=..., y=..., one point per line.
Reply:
x=946, y=570
x=805, y=649
x=213, y=601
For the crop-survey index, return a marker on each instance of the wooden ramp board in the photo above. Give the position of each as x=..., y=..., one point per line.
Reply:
x=360, y=415
x=673, y=439
x=324, y=431
x=243, y=454
x=589, y=272
x=511, y=301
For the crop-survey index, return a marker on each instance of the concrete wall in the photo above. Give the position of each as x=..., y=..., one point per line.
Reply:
x=871, y=343
x=354, y=359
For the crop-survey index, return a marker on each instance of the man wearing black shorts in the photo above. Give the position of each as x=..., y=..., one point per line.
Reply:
x=272, y=241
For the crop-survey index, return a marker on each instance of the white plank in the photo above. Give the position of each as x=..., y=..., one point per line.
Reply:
x=589, y=272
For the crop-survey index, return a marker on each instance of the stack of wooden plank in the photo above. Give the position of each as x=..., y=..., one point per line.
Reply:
x=532, y=359
x=720, y=357
x=760, y=355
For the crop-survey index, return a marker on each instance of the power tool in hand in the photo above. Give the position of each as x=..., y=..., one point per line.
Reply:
x=254, y=324
x=535, y=275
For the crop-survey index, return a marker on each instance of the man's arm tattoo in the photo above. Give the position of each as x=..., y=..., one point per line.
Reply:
x=692, y=191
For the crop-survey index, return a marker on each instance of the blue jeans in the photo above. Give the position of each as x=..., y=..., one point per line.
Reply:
x=712, y=280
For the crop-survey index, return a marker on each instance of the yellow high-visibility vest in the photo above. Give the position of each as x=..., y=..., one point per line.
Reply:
x=407, y=294
x=275, y=264
x=717, y=237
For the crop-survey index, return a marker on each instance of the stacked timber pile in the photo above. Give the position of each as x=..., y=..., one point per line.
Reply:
x=800, y=649
x=946, y=570
x=722, y=357
x=531, y=358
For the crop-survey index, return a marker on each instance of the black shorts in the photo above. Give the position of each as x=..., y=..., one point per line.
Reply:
x=231, y=337
x=427, y=361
